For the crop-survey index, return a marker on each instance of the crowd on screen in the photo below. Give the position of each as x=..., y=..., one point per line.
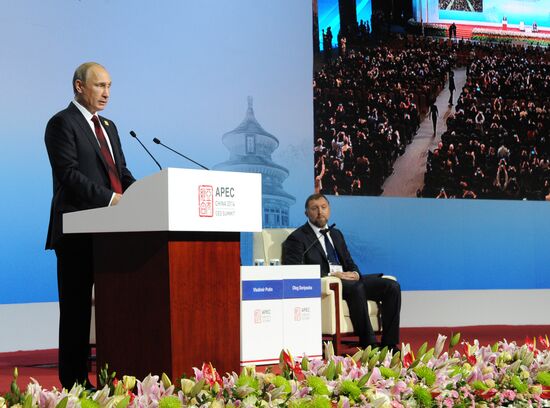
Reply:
x=461, y=5
x=366, y=112
x=497, y=142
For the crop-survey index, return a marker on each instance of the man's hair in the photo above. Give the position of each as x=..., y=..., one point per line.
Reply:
x=315, y=196
x=81, y=73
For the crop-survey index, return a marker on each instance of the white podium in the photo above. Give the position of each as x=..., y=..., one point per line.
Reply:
x=167, y=270
x=179, y=200
x=280, y=309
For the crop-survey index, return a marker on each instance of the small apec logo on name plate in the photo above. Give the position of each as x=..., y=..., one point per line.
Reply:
x=301, y=313
x=262, y=316
x=216, y=201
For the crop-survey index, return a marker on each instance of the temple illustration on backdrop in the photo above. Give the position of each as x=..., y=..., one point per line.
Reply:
x=250, y=148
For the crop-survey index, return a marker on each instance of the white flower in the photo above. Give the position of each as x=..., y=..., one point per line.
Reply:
x=380, y=400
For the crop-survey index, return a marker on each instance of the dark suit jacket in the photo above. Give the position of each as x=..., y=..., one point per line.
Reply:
x=79, y=172
x=297, y=243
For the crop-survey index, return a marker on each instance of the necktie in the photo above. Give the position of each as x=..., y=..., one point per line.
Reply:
x=105, y=152
x=332, y=256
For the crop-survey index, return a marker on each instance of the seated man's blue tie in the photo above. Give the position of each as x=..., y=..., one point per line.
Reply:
x=332, y=255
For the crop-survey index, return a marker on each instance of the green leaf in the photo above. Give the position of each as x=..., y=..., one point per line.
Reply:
x=330, y=371
x=383, y=354
x=422, y=350
x=28, y=401
x=170, y=401
x=426, y=357
x=414, y=364
x=454, y=340
x=479, y=385
x=363, y=380
x=339, y=368
x=388, y=373
x=543, y=378
x=124, y=402
x=62, y=403
x=395, y=359
x=518, y=384
x=373, y=361
x=305, y=363
x=357, y=356
x=197, y=388
x=366, y=355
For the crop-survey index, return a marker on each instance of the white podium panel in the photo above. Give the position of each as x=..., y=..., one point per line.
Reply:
x=280, y=309
x=261, y=315
x=302, y=312
x=179, y=200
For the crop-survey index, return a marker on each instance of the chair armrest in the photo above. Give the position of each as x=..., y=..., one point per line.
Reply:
x=325, y=285
x=331, y=301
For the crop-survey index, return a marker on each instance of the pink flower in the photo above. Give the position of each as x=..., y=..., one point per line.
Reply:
x=209, y=374
x=399, y=387
x=510, y=395
x=448, y=402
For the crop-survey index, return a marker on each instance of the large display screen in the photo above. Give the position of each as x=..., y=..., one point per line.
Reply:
x=493, y=11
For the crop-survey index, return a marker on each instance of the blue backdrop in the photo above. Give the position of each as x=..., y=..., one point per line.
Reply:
x=182, y=72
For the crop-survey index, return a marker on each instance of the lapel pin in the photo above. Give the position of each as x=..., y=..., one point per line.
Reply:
x=106, y=122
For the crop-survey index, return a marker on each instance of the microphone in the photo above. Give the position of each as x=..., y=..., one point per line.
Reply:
x=133, y=134
x=157, y=141
x=323, y=232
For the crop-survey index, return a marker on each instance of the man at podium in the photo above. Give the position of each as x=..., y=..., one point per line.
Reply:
x=317, y=243
x=88, y=171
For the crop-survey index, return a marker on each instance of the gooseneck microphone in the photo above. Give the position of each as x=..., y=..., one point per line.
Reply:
x=322, y=232
x=157, y=141
x=133, y=134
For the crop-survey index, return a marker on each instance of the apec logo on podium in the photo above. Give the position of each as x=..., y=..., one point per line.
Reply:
x=219, y=201
x=206, y=201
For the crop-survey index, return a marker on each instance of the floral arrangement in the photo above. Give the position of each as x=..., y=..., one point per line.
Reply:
x=482, y=34
x=430, y=29
x=460, y=375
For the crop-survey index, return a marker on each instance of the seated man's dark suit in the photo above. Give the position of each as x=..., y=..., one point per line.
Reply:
x=80, y=181
x=356, y=293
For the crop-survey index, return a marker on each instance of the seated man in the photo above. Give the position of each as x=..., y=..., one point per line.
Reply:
x=314, y=243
